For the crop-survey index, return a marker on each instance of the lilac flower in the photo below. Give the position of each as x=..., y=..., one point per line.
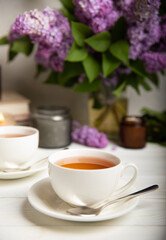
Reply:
x=163, y=27
x=114, y=148
x=161, y=46
x=109, y=84
x=143, y=29
x=89, y=137
x=154, y=61
x=112, y=80
x=28, y=24
x=127, y=7
x=50, y=30
x=143, y=36
x=81, y=77
x=144, y=9
x=138, y=10
x=98, y=15
x=75, y=124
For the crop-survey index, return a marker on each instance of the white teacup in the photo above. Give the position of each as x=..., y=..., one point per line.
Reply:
x=87, y=187
x=17, y=145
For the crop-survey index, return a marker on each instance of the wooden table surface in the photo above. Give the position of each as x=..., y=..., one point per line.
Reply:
x=20, y=221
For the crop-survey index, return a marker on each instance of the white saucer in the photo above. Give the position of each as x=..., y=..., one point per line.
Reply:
x=44, y=199
x=40, y=154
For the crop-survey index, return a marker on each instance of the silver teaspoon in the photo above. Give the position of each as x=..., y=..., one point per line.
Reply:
x=95, y=211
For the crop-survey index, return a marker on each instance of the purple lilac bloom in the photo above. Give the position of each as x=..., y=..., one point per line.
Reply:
x=126, y=7
x=163, y=28
x=161, y=47
x=50, y=30
x=109, y=84
x=137, y=10
x=75, y=124
x=98, y=15
x=143, y=29
x=89, y=137
x=144, y=9
x=154, y=61
x=113, y=79
x=114, y=148
x=143, y=36
x=81, y=77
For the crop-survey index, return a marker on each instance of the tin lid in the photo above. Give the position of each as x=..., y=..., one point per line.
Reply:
x=52, y=112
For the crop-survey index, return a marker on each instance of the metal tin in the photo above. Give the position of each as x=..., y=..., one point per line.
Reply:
x=54, y=125
x=133, y=132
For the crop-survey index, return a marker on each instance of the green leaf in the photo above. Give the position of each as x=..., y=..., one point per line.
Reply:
x=96, y=101
x=76, y=54
x=85, y=86
x=70, y=82
x=153, y=78
x=52, y=78
x=92, y=67
x=39, y=69
x=11, y=55
x=109, y=63
x=135, y=81
x=70, y=71
x=68, y=4
x=80, y=32
x=4, y=40
x=144, y=84
x=137, y=66
x=68, y=77
x=68, y=14
x=135, y=86
x=99, y=42
x=117, y=92
x=22, y=45
x=119, y=30
x=120, y=50
x=131, y=80
x=161, y=116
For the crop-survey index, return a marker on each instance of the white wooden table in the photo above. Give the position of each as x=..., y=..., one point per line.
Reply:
x=20, y=221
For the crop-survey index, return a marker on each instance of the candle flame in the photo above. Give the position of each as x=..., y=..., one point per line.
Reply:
x=2, y=119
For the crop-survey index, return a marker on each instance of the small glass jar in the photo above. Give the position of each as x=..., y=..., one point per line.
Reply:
x=54, y=124
x=133, y=132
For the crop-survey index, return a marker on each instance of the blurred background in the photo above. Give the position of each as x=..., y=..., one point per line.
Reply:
x=18, y=75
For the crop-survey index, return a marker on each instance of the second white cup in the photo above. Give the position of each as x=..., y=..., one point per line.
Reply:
x=17, y=145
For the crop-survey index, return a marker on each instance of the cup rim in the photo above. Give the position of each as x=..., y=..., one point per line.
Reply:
x=35, y=131
x=52, y=161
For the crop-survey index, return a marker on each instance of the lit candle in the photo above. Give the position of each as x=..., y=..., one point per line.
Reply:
x=2, y=119
x=6, y=119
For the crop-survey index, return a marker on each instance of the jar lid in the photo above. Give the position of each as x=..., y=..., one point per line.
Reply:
x=133, y=120
x=52, y=112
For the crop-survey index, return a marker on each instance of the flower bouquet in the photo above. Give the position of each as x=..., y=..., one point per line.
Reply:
x=95, y=46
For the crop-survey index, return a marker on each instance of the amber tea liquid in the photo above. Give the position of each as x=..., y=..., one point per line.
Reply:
x=85, y=163
x=12, y=135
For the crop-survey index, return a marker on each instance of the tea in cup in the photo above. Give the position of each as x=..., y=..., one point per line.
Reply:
x=17, y=145
x=87, y=176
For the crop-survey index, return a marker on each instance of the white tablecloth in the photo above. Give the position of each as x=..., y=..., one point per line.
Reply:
x=20, y=221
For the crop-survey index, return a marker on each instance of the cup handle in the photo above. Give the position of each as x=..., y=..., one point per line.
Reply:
x=131, y=181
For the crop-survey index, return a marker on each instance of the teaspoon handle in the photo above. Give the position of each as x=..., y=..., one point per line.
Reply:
x=132, y=195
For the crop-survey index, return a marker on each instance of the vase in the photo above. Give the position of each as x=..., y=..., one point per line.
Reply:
x=107, y=119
